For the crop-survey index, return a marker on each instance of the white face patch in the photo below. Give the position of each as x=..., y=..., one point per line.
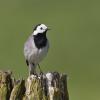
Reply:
x=40, y=29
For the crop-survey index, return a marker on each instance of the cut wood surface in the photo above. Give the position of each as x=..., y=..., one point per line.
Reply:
x=49, y=86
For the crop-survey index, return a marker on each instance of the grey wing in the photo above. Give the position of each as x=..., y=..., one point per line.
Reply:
x=28, y=48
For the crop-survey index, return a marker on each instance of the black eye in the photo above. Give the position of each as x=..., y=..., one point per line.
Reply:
x=41, y=28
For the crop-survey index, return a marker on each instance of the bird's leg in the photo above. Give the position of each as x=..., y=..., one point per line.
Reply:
x=32, y=69
x=40, y=69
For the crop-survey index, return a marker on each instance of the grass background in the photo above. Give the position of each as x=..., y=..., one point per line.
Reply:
x=74, y=39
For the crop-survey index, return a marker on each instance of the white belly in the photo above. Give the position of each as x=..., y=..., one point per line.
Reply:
x=34, y=55
x=37, y=55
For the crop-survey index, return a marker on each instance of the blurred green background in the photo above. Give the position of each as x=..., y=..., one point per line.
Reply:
x=74, y=40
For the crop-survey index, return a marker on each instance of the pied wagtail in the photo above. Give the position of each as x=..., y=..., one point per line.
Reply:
x=36, y=47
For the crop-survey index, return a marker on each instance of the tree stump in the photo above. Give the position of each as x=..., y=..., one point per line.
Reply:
x=49, y=86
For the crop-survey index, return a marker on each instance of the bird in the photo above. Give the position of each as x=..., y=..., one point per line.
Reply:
x=36, y=47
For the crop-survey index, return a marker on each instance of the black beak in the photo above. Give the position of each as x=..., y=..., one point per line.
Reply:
x=48, y=29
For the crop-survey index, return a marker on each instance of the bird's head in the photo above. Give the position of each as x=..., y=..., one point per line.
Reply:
x=40, y=29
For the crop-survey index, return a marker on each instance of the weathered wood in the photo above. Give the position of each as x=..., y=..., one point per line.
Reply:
x=49, y=86
x=18, y=90
x=5, y=85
